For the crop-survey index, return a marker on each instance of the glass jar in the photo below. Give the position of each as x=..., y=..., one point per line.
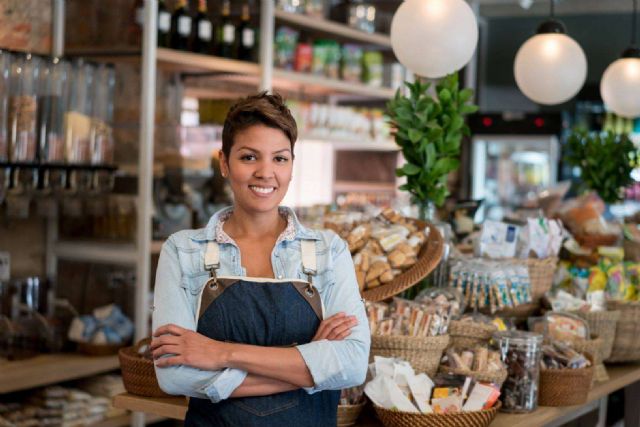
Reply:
x=5, y=73
x=77, y=119
x=521, y=352
x=101, y=137
x=52, y=91
x=22, y=108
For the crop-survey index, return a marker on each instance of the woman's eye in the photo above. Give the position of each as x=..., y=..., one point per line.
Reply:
x=248, y=157
x=281, y=159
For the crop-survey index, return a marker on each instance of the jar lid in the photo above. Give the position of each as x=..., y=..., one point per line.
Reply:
x=518, y=337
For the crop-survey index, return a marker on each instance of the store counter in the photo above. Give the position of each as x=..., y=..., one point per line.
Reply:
x=621, y=376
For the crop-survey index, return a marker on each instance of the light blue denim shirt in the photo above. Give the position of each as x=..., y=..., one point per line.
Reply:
x=181, y=275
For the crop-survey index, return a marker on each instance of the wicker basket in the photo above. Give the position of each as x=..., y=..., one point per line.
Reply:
x=98, y=349
x=626, y=346
x=348, y=414
x=594, y=348
x=484, y=377
x=424, y=353
x=565, y=387
x=428, y=259
x=392, y=418
x=603, y=324
x=138, y=374
x=541, y=272
x=469, y=334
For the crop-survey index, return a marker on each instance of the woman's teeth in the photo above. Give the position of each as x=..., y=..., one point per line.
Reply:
x=262, y=190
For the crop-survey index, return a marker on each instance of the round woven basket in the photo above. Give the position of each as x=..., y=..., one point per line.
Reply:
x=428, y=259
x=541, y=272
x=626, y=345
x=392, y=418
x=497, y=377
x=603, y=324
x=424, y=353
x=565, y=387
x=98, y=349
x=348, y=414
x=138, y=374
x=469, y=334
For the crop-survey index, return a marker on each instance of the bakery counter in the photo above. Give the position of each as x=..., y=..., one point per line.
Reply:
x=621, y=376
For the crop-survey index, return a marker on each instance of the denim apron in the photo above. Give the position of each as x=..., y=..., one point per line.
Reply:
x=263, y=312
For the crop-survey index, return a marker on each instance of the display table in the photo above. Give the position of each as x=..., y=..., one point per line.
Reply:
x=620, y=376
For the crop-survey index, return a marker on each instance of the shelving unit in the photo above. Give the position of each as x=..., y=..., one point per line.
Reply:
x=52, y=368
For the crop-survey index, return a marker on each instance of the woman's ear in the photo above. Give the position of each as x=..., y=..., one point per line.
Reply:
x=224, y=164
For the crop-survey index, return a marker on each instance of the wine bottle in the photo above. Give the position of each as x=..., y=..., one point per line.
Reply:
x=164, y=25
x=180, y=26
x=246, y=36
x=226, y=32
x=202, y=32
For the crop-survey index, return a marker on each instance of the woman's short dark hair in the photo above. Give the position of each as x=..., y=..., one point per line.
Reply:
x=260, y=109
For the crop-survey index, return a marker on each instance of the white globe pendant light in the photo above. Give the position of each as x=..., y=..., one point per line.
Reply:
x=550, y=67
x=620, y=84
x=433, y=38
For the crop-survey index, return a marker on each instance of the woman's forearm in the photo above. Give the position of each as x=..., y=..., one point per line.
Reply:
x=282, y=364
x=256, y=385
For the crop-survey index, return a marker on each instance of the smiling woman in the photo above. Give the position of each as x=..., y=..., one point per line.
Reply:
x=258, y=318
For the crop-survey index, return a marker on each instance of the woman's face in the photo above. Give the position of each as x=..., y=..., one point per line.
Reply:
x=258, y=168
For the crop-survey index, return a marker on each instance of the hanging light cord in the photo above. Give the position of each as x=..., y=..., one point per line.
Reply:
x=633, y=22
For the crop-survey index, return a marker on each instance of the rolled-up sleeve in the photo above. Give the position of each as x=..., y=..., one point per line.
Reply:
x=336, y=365
x=173, y=305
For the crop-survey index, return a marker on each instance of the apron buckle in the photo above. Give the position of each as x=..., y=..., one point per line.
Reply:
x=213, y=279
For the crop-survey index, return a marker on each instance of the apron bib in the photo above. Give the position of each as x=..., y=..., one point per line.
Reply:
x=263, y=312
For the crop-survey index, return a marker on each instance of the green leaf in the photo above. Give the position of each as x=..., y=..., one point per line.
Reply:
x=415, y=135
x=444, y=95
x=431, y=155
x=456, y=123
x=410, y=169
x=446, y=165
x=465, y=95
x=468, y=109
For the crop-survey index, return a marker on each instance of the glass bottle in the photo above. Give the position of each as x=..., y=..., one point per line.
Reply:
x=5, y=73
x=22, y=108
x=246, y=36
x=226, y=32
x=180, y=26
x=77, y=119
x=202, y=31
x=164, y=25
x=52, y=93
x=101, y=136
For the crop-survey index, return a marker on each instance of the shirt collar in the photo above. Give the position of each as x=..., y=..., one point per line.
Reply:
x=294, y=230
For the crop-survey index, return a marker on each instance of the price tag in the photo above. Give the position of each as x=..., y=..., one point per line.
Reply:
x=229, y=33
x=248, y=37
x=5, y=266
x=164, y=22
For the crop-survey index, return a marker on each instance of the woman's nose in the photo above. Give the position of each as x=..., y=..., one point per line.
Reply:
x=264, y=169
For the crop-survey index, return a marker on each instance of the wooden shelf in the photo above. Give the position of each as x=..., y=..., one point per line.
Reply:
x=101, y=252
x=50, y=369
x=125, y=421
x=333, y=28
x=169, y=407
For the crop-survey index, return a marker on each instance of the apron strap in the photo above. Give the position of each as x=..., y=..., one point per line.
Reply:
x=212, y=259
x=308, y=248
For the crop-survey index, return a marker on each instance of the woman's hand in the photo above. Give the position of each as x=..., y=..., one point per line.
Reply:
x=187, y=347
x=335, y=328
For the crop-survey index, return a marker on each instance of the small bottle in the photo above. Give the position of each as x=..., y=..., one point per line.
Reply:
x=164, y=25
x=180, y=26
x=226, y=34
x=246, y=36
x=202, y=31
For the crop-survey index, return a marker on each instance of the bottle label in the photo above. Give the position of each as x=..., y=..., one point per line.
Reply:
x=140, y=16
x=228, y=33
x=204, y=30
x=248, y=37
x=164, y=22
x=184, y=26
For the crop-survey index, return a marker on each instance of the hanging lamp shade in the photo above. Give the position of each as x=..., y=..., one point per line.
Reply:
x=620, y=84
x=550, y=67
x=433, y=38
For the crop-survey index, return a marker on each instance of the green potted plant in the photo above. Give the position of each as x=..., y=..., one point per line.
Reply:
x=429, y=129
x=605, y=160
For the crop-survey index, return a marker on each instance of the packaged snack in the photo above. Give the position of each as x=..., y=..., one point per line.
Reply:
x=372, y=71
x=498, y=239
x=303, y=58
x=351, y=69
x=285, y=47
x=564, y=327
